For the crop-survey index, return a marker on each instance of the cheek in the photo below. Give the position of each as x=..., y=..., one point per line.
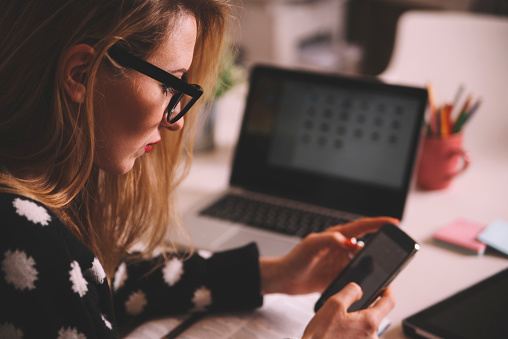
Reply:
x=132, y=107
x=138, y=108
x=127, y=114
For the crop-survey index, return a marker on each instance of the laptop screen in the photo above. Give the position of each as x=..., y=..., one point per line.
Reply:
x=317, y=137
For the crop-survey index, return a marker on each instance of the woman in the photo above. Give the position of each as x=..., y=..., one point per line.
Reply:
x=87, y=90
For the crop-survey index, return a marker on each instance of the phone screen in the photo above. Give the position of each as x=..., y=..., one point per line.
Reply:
x=375, y=266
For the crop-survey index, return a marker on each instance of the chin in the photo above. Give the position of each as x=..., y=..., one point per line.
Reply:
x=116, y=168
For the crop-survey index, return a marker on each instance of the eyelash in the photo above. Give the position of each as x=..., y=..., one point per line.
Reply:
x=167, y=89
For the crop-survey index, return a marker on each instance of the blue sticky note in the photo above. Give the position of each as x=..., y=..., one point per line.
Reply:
x=495, y=235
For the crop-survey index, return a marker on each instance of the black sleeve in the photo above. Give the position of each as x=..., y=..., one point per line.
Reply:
x=224, y=281
x=51, y=285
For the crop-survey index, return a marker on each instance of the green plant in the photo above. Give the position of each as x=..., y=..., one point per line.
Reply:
x=230, y=75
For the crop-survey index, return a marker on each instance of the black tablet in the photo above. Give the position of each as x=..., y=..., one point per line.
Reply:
x=480, y=311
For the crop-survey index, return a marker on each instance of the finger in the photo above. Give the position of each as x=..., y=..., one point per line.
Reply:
x=366, y=225
x=362, y=226
x=351, y=245
x=384, y=304
x=358, y=245
x=351, y=293
x=316, y=242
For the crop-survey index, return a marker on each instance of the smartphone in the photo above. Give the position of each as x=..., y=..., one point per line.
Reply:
x=385, y=254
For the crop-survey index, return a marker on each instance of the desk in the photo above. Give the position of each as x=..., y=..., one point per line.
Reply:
x=480, y=194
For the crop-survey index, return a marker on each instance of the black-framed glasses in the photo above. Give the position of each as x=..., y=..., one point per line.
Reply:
x=181, y=87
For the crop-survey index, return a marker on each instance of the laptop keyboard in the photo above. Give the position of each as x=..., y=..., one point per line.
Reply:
x=269, y=216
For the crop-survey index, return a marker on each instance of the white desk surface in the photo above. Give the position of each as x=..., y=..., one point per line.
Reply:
x=480, y=194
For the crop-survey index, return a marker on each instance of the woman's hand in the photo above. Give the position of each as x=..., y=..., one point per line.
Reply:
x=316, y=260
x=333, y=321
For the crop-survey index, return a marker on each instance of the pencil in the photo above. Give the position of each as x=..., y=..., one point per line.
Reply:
x=467, y=116
x=456, y=101
x=459, y=121
x=438, y=123
x=432, y=105
x=458, y=95
x=445, y=120
x=188, y=322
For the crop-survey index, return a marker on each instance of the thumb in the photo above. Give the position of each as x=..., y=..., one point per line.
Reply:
x=346, y=297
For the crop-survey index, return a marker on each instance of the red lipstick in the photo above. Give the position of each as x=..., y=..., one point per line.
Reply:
x=148, y=148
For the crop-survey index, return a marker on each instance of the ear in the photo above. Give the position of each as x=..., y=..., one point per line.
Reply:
x=75, y=65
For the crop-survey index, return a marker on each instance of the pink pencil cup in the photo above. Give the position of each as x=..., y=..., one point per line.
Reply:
x=441, y=159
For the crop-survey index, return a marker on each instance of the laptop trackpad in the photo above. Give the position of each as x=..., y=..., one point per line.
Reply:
x=268, y=244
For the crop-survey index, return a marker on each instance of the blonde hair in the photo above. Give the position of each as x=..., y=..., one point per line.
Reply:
x=47, y=141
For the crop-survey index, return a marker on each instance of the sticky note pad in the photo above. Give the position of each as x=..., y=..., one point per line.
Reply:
x=495, y=235
x=461, y=235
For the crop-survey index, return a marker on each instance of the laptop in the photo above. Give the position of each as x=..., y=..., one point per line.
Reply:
x=314, y=150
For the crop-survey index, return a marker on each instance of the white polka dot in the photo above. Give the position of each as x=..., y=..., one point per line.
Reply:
x=172, y=271
x=137, y=247
x=96, y=272
x=70, y=333
x=8, y=331
x=120, y=276
x=205, y=254
x=79, y=284
x=33, y=212
x=202, y=298
x=19, y=270
x=156, y=252
x=136, y=303
x=106, y=322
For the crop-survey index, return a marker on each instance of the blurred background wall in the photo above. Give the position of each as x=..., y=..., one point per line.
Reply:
x=351, y=36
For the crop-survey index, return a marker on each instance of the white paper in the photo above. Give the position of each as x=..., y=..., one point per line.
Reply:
x=281, y=316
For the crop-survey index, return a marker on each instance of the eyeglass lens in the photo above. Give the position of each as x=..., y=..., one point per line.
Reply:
x=186, y=102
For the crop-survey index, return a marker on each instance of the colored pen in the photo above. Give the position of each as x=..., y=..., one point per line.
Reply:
x=449, y=118
x=463, y=111
x=460, y=124
x=474, y=108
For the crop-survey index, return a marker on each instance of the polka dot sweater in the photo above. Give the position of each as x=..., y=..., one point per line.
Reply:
x=53, y=286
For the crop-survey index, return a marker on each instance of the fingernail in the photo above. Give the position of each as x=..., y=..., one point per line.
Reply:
x=351, y=243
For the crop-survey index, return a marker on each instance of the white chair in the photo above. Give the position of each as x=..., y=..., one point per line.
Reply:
x=449, y=49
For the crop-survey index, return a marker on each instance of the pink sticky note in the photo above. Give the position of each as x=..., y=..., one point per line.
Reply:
x=461, y=235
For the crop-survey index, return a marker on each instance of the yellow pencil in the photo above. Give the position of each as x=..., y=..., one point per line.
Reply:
x=433, y=109
x=445, y=119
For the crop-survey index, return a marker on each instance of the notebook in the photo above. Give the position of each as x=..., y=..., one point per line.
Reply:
x=314, y=150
